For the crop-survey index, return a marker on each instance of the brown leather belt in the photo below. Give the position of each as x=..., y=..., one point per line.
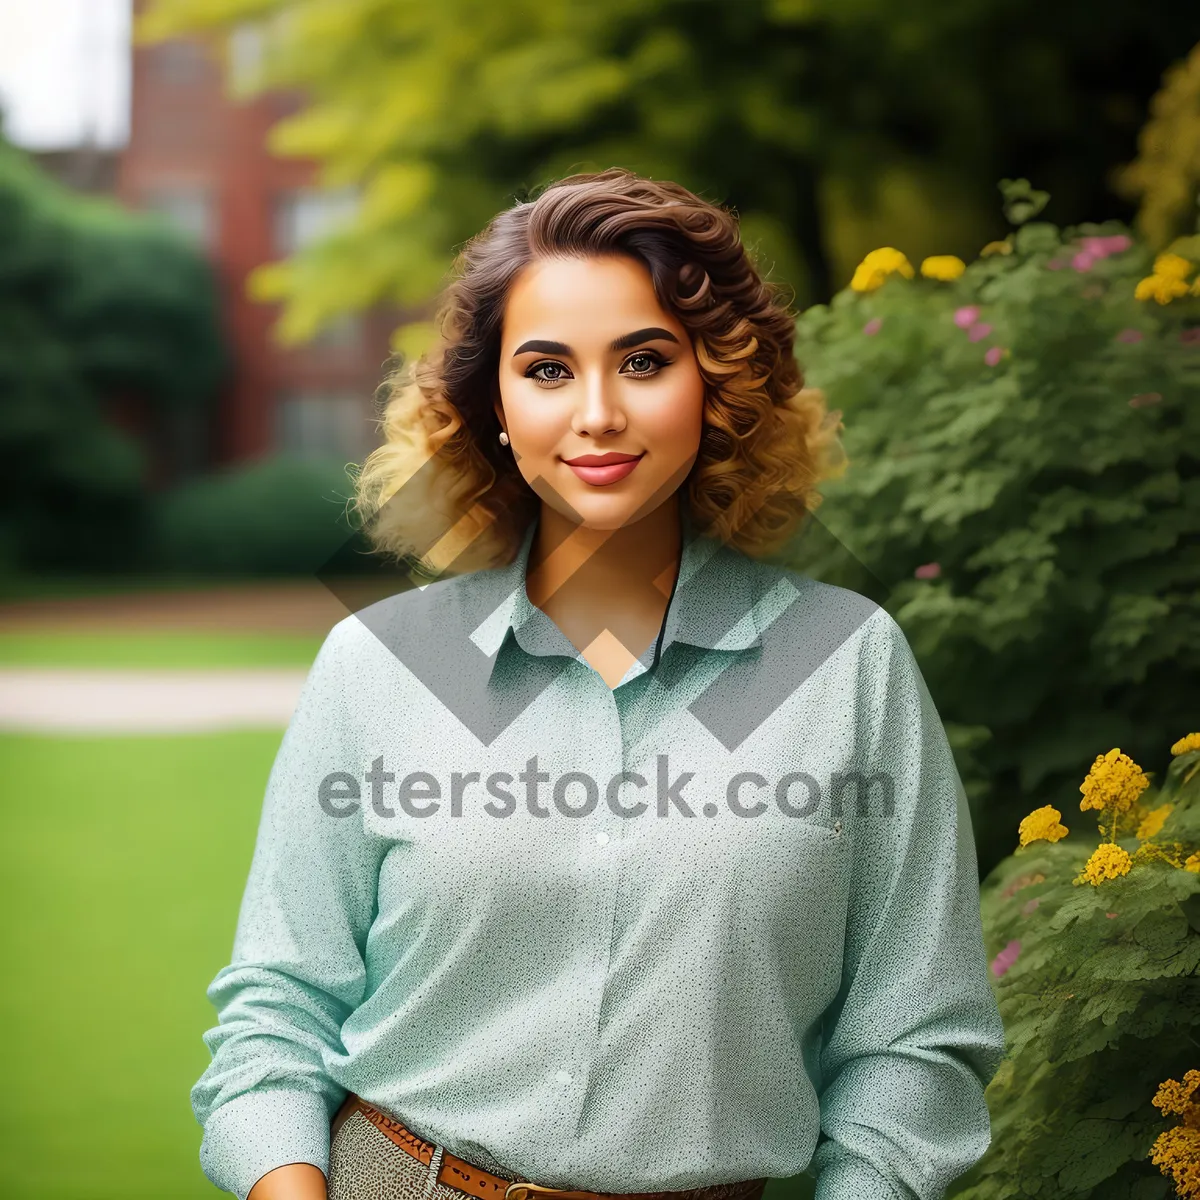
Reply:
x=474, y=1181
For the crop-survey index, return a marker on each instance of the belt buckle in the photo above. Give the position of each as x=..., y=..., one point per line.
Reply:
x=536, y=1188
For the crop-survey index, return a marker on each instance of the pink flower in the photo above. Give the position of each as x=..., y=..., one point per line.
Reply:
x=1110, y=915
x=1144, y=398
x=1005, y=959
x=993, y=356
x=928, y=570
x=964, y=318
x=979, y=330
x=1129, y=335
x=1191, y=337
x=871, y=328
x=1030, y=905
x=1102, y=247
x=1082, y=261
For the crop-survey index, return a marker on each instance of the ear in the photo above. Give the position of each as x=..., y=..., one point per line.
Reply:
x=498, y=408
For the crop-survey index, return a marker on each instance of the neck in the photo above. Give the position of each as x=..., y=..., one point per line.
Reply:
x=572, y=564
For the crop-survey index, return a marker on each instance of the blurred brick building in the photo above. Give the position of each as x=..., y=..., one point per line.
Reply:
x=197, y=154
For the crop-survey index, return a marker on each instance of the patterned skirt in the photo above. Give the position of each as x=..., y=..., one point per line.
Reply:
x=365, y=1164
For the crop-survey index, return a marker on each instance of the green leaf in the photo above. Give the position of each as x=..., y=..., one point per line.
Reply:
x=1021, y=201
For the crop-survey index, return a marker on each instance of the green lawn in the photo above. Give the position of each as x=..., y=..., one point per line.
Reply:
x=123, y=865
x=16, y=586
x=157, y=649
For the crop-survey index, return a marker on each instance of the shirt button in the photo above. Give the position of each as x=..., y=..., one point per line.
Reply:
x=602, y=838
x=563, y=1076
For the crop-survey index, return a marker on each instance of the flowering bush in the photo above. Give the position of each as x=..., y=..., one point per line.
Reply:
x=1023, y=438
x=1176, y=1151
x=1095, y=955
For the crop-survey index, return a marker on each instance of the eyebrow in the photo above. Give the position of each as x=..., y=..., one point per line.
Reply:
x=624, y=342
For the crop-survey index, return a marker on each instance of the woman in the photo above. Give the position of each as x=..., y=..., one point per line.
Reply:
x=558, y=885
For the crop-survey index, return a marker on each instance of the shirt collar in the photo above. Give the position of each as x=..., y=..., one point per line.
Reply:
x=713, y=605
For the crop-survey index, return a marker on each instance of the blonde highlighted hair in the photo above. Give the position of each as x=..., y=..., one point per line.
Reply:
x=442, y=491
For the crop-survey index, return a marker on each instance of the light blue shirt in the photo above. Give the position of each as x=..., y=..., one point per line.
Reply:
x=752, y=976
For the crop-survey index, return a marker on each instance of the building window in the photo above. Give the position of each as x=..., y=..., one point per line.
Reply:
x=306, y=215
x=321, y=424
x=189, y=208
x=245, y=59
x=249, y=48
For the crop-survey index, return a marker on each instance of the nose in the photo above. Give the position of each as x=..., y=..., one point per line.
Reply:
x=599, y=409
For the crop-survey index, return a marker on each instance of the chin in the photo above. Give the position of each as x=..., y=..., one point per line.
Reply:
x=606, y=512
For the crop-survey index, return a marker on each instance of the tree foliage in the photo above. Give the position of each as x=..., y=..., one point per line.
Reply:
x=96, y=305
x=1166, y=174
x=443, y=113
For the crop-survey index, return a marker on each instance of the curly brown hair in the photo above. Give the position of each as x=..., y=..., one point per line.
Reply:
x=442, y=490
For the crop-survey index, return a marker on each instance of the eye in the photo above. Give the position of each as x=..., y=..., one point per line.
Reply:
x=532, y=373
x=650, y=364
x=655, y=363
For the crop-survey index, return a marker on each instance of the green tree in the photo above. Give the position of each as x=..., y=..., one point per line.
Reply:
x=96, y=304
x=1165, y=177
x=442, y=113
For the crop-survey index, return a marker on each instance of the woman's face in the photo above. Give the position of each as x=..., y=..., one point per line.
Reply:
x=592, y=366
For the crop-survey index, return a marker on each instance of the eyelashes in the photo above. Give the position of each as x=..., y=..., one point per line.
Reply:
x=656, y=360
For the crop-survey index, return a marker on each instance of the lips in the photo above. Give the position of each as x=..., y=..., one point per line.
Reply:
x=602, y=469
x=600, y=460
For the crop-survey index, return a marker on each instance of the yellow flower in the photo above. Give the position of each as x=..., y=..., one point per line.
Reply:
x=1152, y=822
x=1192, y=863
x=943, y=266
x=1196, y=286
x=1190, y=742
x=877, y=266
x=1174, y=1097
x=888, y=258
x=1107, y=862
x=1162, y=288
x=1115, y=781
x=1156, y=850
x=1176, y=1152
x=866, y=280
x=1172, y=266
x=1004, y=247
x=1042, y=825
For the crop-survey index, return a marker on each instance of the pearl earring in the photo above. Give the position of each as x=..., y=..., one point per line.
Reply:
x=503, y=438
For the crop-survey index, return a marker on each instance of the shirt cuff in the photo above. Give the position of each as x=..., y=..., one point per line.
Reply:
x=260, y=1130
x=849, y=1177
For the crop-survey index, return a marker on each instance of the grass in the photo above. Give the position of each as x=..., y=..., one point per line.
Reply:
x=156, y=649
x=123, y=862
x=20, y=587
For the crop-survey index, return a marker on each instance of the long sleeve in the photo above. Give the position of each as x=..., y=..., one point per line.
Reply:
x=914, y=1034
x=297, y=967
